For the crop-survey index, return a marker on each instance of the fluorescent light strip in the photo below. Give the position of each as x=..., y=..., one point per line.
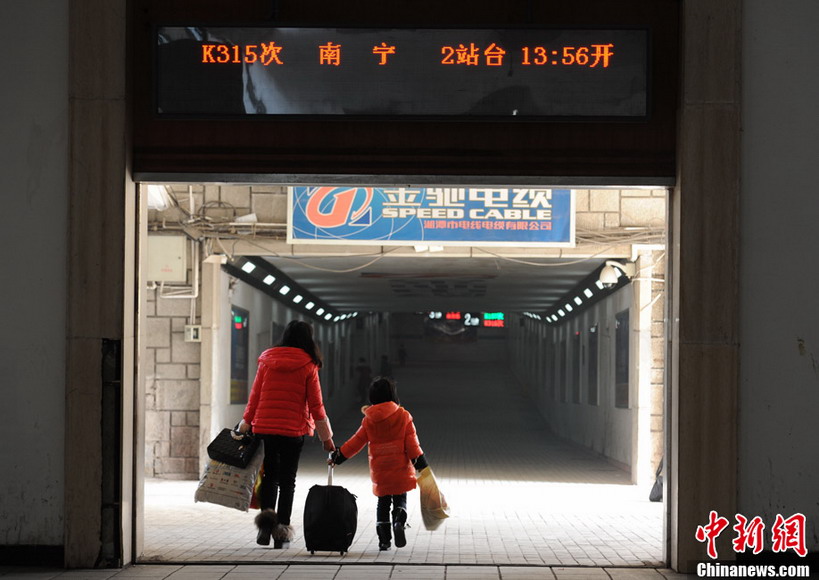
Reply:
x=328, y=317
x=284, y=290
x=269, y=279
x=577, y=300
x=320, y=311
x=298, y=298
x=248, y=267
x=588, y=293
x=309, y=305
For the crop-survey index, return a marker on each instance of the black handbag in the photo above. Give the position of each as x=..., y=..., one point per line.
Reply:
x=233, y=448
x=656, y=493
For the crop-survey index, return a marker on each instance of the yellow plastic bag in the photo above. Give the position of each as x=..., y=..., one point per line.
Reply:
x=256, y=498
x=434, y=509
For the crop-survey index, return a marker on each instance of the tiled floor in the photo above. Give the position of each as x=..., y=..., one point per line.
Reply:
x=519, y=497
x=340, y=572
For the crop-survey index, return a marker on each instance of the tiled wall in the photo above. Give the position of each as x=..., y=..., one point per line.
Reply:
x=171, y=368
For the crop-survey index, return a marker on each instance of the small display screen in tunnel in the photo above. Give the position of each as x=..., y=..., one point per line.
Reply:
x=505, y=73
x=470, y=319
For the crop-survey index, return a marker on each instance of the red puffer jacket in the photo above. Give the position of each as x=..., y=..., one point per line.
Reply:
x=286, y=395
x=390, y=432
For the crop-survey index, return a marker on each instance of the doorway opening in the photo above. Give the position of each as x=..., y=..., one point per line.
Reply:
x=546, y=431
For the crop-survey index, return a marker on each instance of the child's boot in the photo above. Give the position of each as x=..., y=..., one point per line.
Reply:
x=399, y=522
x=384, y=535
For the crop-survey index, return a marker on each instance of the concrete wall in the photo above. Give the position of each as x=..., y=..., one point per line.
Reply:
x=779, y=330
x=631, y=436
x=34, y=189
x=601, y=427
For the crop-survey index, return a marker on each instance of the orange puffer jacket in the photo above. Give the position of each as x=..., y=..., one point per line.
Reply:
x=393, y=443
x=286, y=395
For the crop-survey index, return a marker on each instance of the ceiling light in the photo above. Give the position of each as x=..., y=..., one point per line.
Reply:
x=561, y=312
x=269, y=279
x=298, y=298
x=568, y=307
x=320, y=311
x=577, y=300
x=588, y=293
x=284, y=290
x=328, y=317
x=158, y=197
x=309, y=305
x=337, y=318
x=248, y=267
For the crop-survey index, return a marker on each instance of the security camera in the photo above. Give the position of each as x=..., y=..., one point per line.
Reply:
x=611, y=272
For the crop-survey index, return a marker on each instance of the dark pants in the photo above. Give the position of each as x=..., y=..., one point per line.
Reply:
x=281, y=462
x=382, y=512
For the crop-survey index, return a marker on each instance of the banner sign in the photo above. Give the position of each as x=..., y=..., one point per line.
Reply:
x=444, y=216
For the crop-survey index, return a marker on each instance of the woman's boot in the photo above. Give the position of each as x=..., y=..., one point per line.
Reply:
x=384, y=535
x=282, y=536
x=399, y=522
x=265, y=521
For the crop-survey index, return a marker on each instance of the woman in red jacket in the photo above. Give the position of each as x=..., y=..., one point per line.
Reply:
x=394, y=455
x=285, y=405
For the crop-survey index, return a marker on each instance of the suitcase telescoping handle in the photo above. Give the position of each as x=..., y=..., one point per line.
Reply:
x=330, y=471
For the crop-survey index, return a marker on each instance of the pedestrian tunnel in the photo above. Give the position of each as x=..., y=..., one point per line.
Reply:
x=535, y=375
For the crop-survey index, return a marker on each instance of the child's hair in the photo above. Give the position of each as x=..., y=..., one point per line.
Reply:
x=382, y=390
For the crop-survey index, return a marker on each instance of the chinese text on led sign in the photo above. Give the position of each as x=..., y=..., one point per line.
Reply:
x=403, y=72
x=493, y=319
x=329, y=54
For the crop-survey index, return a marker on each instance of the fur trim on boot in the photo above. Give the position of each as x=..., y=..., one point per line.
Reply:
x=282, y=534
x=265, y=521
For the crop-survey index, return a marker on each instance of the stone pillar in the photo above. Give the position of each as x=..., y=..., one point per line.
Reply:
x=211, y=317
x=97, y=259
x=703, y=410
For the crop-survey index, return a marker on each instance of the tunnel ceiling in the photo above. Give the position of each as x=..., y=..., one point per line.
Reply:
x=428, y=282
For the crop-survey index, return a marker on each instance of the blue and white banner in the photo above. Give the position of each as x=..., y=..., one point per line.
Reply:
x=445, y=216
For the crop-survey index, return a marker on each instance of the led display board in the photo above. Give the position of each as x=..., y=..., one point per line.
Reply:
x=239, y=340
x=465, y=216
x=439, y=73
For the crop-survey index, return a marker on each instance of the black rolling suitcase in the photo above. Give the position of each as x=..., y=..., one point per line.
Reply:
x=330, y=517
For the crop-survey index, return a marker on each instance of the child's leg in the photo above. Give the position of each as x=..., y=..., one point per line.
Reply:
x=399, y=519
x=382, y=522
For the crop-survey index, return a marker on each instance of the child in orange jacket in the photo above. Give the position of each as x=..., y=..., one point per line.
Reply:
x=394, y=455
